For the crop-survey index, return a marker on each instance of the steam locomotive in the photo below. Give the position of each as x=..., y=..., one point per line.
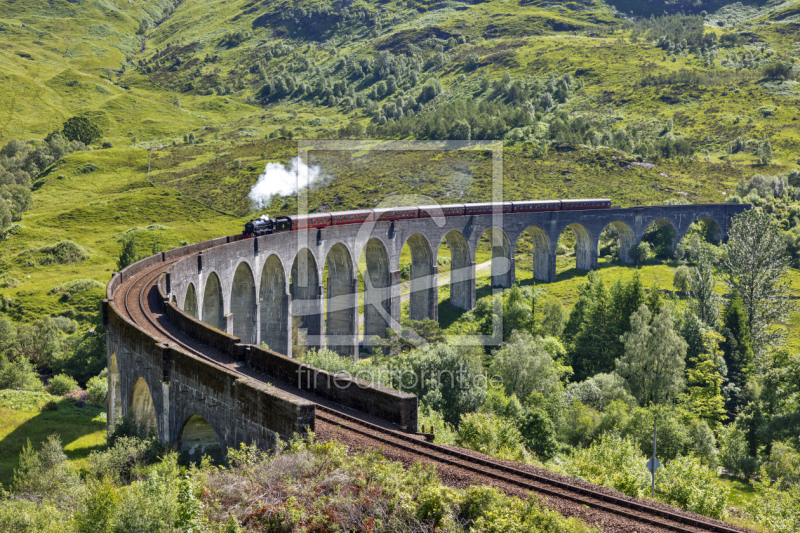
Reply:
x=267, y=226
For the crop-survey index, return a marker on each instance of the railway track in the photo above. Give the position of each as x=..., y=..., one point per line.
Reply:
x=137, y=308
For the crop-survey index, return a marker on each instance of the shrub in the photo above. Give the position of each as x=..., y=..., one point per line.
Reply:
x=687, y=484
x=62, y=253
x=46, y=474
x=778, y=70
x=81, y=129
x=614, y=462
x=19, y=374
x=777, y=510
x=491, y=435
x=62, y=384
x=97, y=388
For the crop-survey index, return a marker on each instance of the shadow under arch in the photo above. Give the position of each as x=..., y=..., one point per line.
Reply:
x=423, y=301
x=340, y=306
x=243, y=304
x=627, y=240
x=114, y=398
x=462, y=271
x=198, y=438
x=274, y=306
x=305, y=291
x=141, y=406
x=662, y=236
x=377, y=291
x=541, y=252
x=712, y=230
x=190, y=301
x=585, y=249
x=502, y=262
x=213, y=304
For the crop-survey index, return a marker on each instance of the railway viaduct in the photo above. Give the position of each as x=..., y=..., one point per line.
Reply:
x=230, y=295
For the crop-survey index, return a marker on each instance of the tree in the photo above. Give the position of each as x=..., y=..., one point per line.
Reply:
x=127, y=255
x=553, y=319
x=705, y=380
x=738, y=354
x=765, y=152
x=593, y=347
x=526, y=364
x=653, y=362
x=702, y=282
x=757, y=270
x=81, y=129
x=538, y=432
x=681, y=279
x=446, y=378
x=642, y=252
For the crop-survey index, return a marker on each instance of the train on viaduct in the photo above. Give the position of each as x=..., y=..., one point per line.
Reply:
x=186, y=328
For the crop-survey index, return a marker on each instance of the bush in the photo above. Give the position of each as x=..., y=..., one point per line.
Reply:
x=778, y=70
x=613, y=462
x=491, y=435
x=97, y=388
x=81, y=129
x=687, y=484
x=681, y=279
x=775, y=509
x=19, y=374
x=46, y=474
x=62, y=253
x=62, y=384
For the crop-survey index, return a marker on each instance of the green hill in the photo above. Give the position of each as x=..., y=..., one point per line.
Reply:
x=577, y=90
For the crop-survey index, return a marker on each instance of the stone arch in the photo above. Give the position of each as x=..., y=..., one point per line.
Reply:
x=305, y=291
x=663, y=235
x=243, y=304
x=114, y=396
x=213, y=304
x=198, y=438
x=190, y=301
x=423, y=300
x=340, y=306
x=274, y=306
x=377, y=290
x=141, y=407
x=585, y=248
x=541, y=253
x=502, y=260
x=462, y=271
x=626, y=240
x=713, y=229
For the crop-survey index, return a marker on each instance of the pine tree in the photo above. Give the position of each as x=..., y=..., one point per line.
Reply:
x=737, y=352
x=127, y=256
x=593, y=349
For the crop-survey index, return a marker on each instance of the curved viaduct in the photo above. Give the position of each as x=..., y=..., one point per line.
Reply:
x=185, y=327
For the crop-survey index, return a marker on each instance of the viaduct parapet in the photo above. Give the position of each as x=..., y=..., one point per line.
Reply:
x=232, y=296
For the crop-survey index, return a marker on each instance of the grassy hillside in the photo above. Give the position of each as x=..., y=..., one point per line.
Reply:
x=195, y=98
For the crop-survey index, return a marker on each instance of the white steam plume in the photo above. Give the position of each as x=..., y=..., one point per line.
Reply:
x=277, y=179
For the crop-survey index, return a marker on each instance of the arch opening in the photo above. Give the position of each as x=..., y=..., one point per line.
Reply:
x=703, y=232
x=533, y=243
x=114, y=397
x=375, y=273
x=421, y=275
x=494, y=243
x=341, y=301
x=454, y=255
x=213, y=305
x=243, y=304
x=190, y=301
x=198, y=438
x=662, y=236
x=576, y=239
x=141, y=407
x=274, y=307
x=306, y=307
x=616, y=243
